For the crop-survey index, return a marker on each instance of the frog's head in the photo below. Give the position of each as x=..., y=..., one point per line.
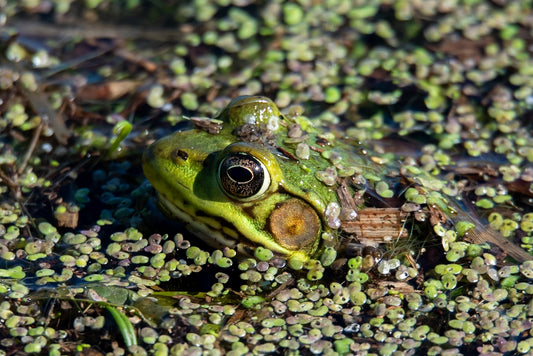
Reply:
x=240, y=185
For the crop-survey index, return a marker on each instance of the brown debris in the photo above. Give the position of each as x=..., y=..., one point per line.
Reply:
x=377, y=225
x=287, y=154
x=401, y=287
x=68, y=219
x=482, y=233
x=208, y=125
x=436, y=215
x=132, y=57
x=463, y=48
x=40, y=104
x=107, y=91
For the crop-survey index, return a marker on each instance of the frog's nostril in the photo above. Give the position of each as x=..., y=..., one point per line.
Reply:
x=182, y=154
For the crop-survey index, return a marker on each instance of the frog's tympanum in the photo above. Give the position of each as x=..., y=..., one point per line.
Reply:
x=253, y=176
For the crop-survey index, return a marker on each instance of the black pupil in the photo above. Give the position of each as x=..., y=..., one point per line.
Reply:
x=241, y=175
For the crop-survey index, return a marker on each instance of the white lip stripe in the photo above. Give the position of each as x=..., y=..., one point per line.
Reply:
x=212, y=237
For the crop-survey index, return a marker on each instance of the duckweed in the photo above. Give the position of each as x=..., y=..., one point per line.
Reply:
x=263, y=254
x=290, y=308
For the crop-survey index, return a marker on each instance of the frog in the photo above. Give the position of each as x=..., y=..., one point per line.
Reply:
x=252, y=176
x=246, y=183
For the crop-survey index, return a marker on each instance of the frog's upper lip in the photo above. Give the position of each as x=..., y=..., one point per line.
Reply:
x=212, y=236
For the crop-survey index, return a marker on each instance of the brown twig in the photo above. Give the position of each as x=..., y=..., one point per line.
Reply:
x=9, y=182
x=91, y=30
x=31, y=148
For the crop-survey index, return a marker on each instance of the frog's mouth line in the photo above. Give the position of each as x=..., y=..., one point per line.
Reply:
x=217, y=231
x=215, y=236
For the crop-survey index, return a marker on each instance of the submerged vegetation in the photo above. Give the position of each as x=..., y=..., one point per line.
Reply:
x=441, y=92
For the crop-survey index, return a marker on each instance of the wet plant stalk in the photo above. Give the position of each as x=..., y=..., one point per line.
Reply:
x=124, y=325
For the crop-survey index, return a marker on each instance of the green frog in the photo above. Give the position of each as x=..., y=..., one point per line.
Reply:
x=254, y=177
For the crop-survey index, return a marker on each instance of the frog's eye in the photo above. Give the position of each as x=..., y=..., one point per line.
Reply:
x=242, y=176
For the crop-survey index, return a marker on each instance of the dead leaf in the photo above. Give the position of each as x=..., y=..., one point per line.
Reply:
x=107, y=91
x=68, y=219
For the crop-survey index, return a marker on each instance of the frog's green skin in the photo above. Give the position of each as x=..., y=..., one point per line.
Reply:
x=288, y=217
x=285, y=209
